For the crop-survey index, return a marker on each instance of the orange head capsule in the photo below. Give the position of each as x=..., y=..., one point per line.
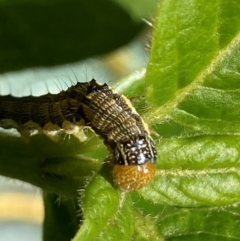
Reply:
x=132, y=177
x=135, y=163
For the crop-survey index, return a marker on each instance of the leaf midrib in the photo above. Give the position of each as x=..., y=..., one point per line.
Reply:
x=160, y=114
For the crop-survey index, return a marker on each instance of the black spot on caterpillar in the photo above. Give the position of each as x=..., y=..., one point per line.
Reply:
x=108, y=113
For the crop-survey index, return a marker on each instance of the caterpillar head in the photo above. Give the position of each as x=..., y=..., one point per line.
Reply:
x=134, y=163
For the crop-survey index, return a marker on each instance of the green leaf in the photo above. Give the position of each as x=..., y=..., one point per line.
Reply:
x=37, y=33
x=60, y=167
x=196, y=171
x=192, y=83
x=108, y=213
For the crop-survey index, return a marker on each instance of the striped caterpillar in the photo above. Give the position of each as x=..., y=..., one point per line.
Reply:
x=109, y=114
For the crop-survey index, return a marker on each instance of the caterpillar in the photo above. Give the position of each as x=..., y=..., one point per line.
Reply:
x=108, y=113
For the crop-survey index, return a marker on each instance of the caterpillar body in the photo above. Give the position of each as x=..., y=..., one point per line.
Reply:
x=108, y=113
x=47, y=113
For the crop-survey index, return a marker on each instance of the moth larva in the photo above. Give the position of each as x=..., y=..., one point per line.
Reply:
x=108, y=113
x=113, y=118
